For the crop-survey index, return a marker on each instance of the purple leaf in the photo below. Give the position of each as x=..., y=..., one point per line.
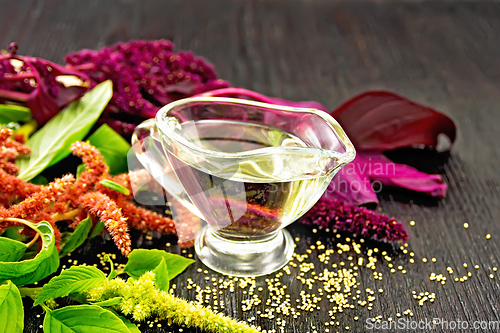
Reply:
x=353, y=184
x=35, y=82
x=387, y=173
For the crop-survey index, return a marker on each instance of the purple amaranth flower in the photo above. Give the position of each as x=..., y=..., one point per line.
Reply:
x=335, y=214
x=146, y=75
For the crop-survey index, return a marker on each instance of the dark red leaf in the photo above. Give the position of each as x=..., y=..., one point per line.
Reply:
x=381, y=120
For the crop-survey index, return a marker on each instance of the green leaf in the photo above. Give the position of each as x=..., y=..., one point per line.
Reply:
x=75, y=279
x=97, y=229
x=78, y=237
x=12, y=126
x=109, y=302
x=112, y=272
x=79, y=169
x=40, y=180
x=43, y=264
x=51, y=143
x=114, y=186
x=46, y=267
x=14, y=113
x=83, y=319
x=11, y=309
x=11, y=250
x=161, y=276
x=13, y=233
x=130, y=325
x=80, y=298
x=141, y=261
x=30, y=292
x=113, y=148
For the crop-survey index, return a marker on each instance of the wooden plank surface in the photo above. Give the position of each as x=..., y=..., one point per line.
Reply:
x=440, y=53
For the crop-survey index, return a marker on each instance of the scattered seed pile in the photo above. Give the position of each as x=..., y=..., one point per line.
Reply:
x=325, y=290
x=324, y=280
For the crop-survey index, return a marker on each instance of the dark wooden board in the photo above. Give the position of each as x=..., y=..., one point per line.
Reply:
x=440, y=53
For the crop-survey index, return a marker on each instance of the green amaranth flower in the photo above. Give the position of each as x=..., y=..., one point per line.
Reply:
x=141, y=299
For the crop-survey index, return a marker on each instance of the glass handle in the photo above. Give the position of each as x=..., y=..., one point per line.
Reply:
x=147, y=146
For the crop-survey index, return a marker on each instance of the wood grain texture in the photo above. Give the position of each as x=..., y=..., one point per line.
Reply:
x=439, y=53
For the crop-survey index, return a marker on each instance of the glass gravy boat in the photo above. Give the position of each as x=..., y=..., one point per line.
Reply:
x=247, y=169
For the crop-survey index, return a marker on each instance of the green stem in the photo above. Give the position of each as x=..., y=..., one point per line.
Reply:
x=66, y=216
x=30, y=292
x=45, y=308
x=28, y=245
x=26, y=223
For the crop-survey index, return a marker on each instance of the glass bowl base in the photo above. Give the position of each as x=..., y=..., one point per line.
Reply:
x=244, y=258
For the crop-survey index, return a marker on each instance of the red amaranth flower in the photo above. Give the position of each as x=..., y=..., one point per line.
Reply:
x=110, y=214
x=57, y=232
x=39, y=200
x=11, y=187
x=335, y=214
x=95, y=170
x=18, y=146
x=120, y=207
x=10, y=145
x=137, y=217
x=9, y=151
x=9, y=167
x=187, y=224
x=4, y=212
x=71, y=200
x=5, y=133
x=145, y=220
